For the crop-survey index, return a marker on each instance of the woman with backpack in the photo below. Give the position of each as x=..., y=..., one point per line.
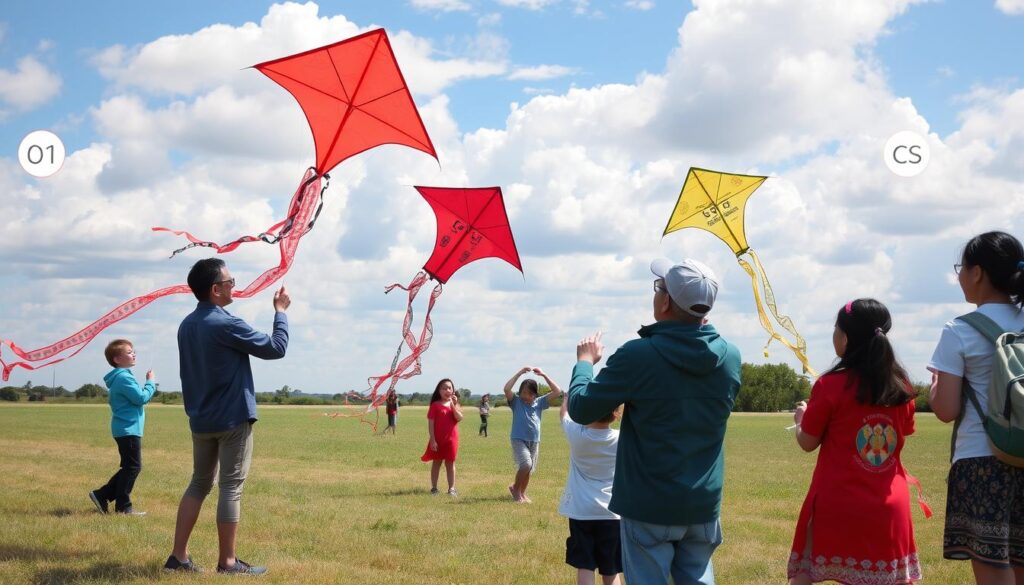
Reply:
x=985, y=499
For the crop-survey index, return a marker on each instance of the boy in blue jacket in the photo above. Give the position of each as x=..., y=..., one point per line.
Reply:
x=127, y=423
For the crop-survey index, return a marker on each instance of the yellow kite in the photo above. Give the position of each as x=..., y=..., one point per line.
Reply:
x=715, y=202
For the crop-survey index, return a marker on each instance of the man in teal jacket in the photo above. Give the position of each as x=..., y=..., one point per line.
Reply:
x=678, y=383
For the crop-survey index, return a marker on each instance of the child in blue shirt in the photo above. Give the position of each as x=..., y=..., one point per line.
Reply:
x=127, y=423
x=525, y=436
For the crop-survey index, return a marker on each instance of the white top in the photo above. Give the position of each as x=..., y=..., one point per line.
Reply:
x=964, y=352
x=588, y=489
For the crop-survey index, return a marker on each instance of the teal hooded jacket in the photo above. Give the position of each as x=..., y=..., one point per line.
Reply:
x=678, y=383
x=126, y=401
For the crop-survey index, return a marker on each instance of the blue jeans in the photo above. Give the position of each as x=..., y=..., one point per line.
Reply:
x=652, y=552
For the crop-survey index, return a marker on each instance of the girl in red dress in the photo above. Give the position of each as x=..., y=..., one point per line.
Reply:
x=442, y=420
x=855, y=525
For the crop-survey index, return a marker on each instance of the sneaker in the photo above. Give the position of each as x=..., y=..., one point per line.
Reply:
x=130, y=512
x=241, y=568
x=174, y=565
x=101, y=505
x=434, y=492
x=453, y=492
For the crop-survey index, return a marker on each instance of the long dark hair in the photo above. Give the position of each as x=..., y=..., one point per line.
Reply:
x=1001, y=256
x=436, y=396
x=881, y=380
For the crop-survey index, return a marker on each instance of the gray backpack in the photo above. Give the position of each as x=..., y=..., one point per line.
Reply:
x=1004, y=421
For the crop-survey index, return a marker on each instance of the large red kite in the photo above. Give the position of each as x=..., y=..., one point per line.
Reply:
x=354, y=98
x=471, y=225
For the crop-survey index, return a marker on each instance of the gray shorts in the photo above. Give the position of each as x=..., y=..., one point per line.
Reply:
x=525, y=453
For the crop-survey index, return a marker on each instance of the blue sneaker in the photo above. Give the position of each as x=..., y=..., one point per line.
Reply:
x=241, y=568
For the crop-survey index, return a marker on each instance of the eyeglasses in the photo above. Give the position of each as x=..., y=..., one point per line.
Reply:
x=658, y=287
x=957, y=268
x=230, y=282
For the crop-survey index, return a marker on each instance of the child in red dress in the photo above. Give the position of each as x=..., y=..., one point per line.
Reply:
x=855, y=525
x=442, y=420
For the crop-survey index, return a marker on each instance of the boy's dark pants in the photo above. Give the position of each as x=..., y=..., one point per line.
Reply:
x=119, y=488
x=483, y=425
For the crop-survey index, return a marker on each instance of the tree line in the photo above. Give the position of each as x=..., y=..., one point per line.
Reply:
x=766, y=388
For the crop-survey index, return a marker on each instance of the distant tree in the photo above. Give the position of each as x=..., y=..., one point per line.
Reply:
x=90, y=391
x=464, y=394
x=921, y=401
x=10, y=394
x=770, y=388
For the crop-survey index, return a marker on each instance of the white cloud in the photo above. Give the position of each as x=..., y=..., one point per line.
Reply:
x=220, y=54
x=29, y=86
x=1012, y=7
x=541, y=72
x=528, y=4
x=589, y=176
x=487, y=20
x=639, y=4
x=441, y=5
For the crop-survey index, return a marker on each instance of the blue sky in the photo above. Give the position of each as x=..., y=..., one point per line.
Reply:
x=587, y=113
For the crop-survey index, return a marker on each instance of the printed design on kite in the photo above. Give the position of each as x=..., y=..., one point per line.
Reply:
x=472, y=224
x=716, y=202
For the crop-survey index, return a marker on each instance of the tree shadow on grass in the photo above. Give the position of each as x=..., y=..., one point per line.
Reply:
x=14, y=552
x=105, y=572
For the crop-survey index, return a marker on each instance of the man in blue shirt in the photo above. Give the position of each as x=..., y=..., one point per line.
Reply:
x=220, y=399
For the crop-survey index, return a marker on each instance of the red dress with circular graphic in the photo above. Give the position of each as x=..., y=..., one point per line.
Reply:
x=446, y=433
x=857, y=510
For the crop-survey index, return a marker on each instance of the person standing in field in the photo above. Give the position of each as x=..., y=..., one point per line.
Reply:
x=391, y=408
x=985, y=497
x=220, y=400
x=678, y=383
x=485, y=412
x=443, y=418
x=127, y=422
x=855, y=525
x=527, y=409
x=594, y=541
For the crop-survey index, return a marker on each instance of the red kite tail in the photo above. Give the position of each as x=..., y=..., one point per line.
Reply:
x=80, y=339
x=300, y=205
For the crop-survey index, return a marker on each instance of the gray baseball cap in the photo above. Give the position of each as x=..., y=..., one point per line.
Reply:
x=690, y=283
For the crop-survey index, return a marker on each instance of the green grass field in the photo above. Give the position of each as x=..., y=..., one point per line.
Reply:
x=327, y=502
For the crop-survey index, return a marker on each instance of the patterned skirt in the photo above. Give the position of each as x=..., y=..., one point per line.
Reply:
x=985, y=513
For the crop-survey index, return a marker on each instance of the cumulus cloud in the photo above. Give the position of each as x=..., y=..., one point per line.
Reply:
x=441, y=5
x=589, y=176
x=1012, y=7
x=29, y=85
x=639, y=4
x=527, y=4
x=541, y=72
x=185, y=65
